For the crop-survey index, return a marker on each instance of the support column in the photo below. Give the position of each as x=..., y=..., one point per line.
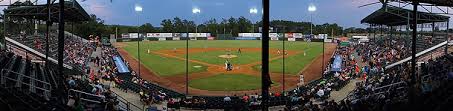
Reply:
x=283, y=63
x=4, y=32
x=265, y=78
x=48, y=24
x=187, y=60
x=432, y=37
x=447, y=36
x=61, y=38
x=413, y=76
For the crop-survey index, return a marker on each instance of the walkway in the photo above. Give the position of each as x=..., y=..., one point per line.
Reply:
x=339, y=95
x=131, y=97
x=343, y=92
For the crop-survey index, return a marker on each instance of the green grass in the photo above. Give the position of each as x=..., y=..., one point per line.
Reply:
x=168, y=66
x=227, y=82
x=163, y=66
x=295, y=63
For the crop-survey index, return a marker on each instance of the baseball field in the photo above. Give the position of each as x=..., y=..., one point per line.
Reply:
x=164, y=62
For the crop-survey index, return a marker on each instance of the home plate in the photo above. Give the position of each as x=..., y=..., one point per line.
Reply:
x=197, y=66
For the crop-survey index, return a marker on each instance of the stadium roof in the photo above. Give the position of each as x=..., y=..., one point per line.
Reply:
x=435, y=2
x=394, y=16
x=73, y=12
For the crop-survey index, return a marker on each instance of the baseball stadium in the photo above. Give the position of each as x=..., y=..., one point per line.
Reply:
x=232, y=55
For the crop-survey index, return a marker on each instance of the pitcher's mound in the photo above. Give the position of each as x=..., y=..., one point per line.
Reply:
x=228, y=56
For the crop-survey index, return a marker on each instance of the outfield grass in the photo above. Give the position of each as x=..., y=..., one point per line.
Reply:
x=295, y=63
x=163, y=66
x=168, y=66
x=227, y=82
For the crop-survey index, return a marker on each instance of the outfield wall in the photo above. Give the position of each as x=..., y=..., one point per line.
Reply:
x=207, y=36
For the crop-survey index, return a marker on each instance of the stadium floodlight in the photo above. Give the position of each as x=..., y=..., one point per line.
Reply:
x=196, y=10
x=311, y=8
x=138, y=8
x=253, y=11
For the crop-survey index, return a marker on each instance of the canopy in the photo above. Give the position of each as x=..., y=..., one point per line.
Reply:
x=394, y=16
x=73, y=12
x=435, y=2
x=122, y=68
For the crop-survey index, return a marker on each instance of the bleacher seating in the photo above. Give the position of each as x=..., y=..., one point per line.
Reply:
x=38, y=43
x=24, y=85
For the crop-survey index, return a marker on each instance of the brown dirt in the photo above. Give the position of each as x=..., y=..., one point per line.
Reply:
x=177, y=82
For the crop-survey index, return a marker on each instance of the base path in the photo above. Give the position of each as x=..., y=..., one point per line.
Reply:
x=311, y=72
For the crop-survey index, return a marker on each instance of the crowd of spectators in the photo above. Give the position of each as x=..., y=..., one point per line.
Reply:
x=383, y=52
x=377, y=91
x=77, y=53
x=93, y=96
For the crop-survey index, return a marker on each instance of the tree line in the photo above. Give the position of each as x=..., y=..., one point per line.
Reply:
x=231, y=26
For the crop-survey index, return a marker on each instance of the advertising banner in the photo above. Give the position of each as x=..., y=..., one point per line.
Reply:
x=291, y=39
x=273, y=35
x=289, y=35
x=166, y=35
x=133, y=35
x=183, y=34
x=199, y=34
x=176, y=34
x=192, y=35
x=162, y=39
x=274, y=38
x=257, y=35
x=322, y=36
x=297, y=35
x=159, y=35
x=245, y=38
x=211, y=38
x=327, y=40
x=249, y=34
x=124, y=35
x=176, y=38
x=245, y=34
x=151, y=35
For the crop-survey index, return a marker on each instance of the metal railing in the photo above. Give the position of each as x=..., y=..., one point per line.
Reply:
x=84, y=96
x=47, y=91
x=87, y=97
x=417, y=55
x=378, y=89
x=127, y=105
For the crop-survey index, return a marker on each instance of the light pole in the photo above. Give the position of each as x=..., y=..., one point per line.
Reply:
x=311, y=9
x=138, y=9
x=196, y=11
x=252, y=12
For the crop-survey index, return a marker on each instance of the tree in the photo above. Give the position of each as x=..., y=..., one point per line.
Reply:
x=232, y=26
x=147, y=27
x=244, y=24
x=94, y=26
x=167, y=25
x=212, y=26
x=178, y=25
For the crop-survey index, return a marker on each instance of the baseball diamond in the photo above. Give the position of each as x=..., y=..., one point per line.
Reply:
x=165, y=64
